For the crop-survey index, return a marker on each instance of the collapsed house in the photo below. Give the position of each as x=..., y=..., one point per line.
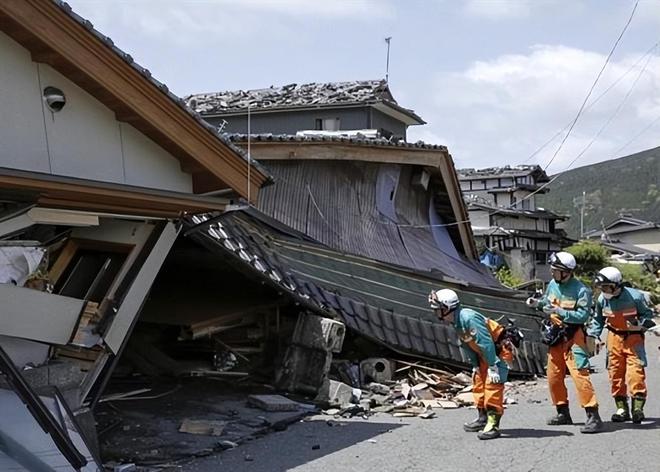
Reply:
x=98, y=165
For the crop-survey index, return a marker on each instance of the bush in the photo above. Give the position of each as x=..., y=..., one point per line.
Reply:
x=506, y=278
x=641, y=279
x=590, y=256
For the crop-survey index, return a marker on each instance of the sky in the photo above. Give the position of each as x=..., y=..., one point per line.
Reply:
x=497, y=81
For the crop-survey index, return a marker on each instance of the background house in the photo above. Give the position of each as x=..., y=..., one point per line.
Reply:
x=334, y=106
x=631, y=233
x=502, y=208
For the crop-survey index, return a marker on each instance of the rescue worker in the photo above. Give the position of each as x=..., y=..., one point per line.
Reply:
x=623, y=311
x=489, y=371
x=567, y=302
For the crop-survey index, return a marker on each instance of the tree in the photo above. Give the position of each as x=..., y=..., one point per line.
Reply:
x=590, y=256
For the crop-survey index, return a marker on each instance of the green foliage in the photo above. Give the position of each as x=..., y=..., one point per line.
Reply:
x=641, y=279
x=625, y=185
x=506, y=278
x=590, y=256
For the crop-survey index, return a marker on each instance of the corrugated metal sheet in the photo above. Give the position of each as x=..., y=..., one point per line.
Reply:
x=334, y=202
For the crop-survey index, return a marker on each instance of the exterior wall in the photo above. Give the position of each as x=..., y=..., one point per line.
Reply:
x=380, y=120
x=521, y=263
x=290, y=122
x=646, y=239
x=479, y=218
x=83, y=140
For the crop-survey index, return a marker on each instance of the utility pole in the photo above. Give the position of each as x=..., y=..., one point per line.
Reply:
x=387, y=66
x=584, y=201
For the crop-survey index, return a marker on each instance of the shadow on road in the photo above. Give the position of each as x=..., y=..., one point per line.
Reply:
x=304, y=443
x=648, y=423
x=517, y=433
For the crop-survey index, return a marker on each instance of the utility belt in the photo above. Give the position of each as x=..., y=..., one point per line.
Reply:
x=552, y=334
x=622, y=332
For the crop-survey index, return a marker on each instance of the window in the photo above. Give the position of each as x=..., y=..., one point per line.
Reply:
x=541, y=257
x=326, y=124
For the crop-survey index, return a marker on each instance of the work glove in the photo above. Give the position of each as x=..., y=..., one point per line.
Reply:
x=593, y=346
x=532, y=302
x=551, y=309
x=493, y=374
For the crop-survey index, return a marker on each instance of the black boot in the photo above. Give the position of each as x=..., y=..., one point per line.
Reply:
x=622, y=412
x=638, y=409
x=492, y=428
x=478, y=423
x=593, y=424
x=563, y=416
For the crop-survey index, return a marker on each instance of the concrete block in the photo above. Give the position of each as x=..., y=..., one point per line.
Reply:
x=376, y=369
x=273, y=403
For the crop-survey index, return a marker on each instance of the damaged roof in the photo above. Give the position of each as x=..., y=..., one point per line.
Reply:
x=382, y=302
x=299, y=96
x=356, y=139
x=505, y=171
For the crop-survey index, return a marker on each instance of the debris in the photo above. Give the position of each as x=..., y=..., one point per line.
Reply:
x=428, y=415
x=331, y=411
x=224, y=445
x=510, y=401
x=316, y=446
x=462, y=378
x=335, y=393
x=273, y=403
x=378, y=388
x=372, y=441
x=118, y=396
x=465, y=398
x=125, y=468
x=376, y=370
x=203, y=427
x=248, y=458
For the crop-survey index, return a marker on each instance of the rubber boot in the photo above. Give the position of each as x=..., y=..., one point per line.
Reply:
x=478, y=423
x=563, y=416
x=638, y=409
x=593, y=424
x=492, y=428
x=622, y=412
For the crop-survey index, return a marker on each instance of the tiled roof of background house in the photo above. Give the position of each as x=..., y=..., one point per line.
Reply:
x=360, y=92
x=355, y=139
x=506, y=171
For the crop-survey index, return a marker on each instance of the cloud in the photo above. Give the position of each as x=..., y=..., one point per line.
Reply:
x=497, y=9
x=500, y=111
x=193, y=21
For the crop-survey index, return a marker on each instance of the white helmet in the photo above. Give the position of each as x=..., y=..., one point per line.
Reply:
x=608, y=275
x=563, y=261
x=444, y=298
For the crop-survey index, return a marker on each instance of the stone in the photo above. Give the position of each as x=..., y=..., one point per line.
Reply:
x=465, y=398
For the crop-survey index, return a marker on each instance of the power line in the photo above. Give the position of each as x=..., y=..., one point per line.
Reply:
x=595, y=101
x=600, y=73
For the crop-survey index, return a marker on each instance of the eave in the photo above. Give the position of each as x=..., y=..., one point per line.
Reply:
x=55, y=38
x=319, y=150
x=79, y=194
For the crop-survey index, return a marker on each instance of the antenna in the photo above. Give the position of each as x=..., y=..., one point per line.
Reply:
x=249, y=155
x=387, y=66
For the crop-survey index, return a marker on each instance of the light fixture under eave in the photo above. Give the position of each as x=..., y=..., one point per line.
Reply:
x=54, y=98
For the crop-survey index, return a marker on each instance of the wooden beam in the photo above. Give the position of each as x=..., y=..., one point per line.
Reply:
x=265, y=151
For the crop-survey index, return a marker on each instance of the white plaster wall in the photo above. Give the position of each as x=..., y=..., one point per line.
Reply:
x=147, y=165
x=83, y=140
x=22, y=133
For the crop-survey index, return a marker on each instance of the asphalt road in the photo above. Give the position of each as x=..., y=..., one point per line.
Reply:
x=384, y=443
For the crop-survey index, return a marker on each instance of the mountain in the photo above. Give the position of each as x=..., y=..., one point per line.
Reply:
x=629, y=185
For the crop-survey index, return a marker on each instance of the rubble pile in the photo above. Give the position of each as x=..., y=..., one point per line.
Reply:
x=413, y=389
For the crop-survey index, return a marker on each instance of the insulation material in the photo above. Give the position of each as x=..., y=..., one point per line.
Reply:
x=17, y=263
